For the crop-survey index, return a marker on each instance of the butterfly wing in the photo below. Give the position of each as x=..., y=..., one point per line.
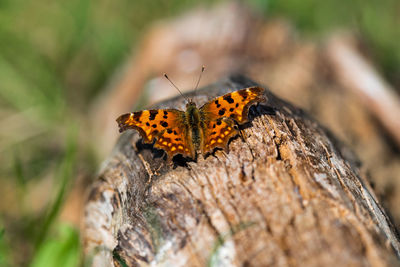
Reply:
x=217, y=134
x=167, y=126
x=221, y=113
x=234, y=105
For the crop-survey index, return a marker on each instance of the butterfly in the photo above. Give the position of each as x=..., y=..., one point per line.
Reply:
x=196, y=129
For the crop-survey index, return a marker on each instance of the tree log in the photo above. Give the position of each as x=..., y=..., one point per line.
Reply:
x=286, y=193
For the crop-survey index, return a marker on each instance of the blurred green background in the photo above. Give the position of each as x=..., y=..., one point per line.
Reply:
x=56, y=57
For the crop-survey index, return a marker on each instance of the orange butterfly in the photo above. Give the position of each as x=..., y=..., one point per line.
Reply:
x=196, y=129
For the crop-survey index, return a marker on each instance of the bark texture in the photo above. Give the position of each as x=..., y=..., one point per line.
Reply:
x=286, y=194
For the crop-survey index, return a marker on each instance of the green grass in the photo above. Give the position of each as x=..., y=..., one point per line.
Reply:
x=4, y=249
x=55, y=58
x=64, y=175
x=63, y=249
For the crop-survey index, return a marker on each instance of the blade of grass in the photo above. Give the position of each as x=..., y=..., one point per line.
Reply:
x=18, y=170
x=4, y=250
x=64, y=176
x=119, y=259
x=62, y=250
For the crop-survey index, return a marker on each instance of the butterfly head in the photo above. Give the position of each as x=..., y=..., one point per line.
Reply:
x=190, y=104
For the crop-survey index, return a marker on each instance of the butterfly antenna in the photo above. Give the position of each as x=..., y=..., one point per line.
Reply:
x=166, y=76
x=198, y=81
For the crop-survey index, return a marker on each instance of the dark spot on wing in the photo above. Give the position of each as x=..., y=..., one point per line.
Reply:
x=213, y=125
x=147, y=124
x=178, y=139
x=237, y=104
x=154, y=125
x=212, y=133
x=229, y=99
x=221, y=111
x=137, y=115
x=164, y=124
x=231, y=109
x=243, y=94
x=219, y=122
x=169, y=131
x=216, y=103
x=175, y=133
x=153, y=114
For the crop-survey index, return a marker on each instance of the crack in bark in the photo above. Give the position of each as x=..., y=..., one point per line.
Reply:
x=217, y=202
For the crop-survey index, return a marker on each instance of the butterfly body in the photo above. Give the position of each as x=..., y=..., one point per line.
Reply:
x=194, y=122
x=196, y=129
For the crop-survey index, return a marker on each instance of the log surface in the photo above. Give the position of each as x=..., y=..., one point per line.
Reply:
x=287, y=193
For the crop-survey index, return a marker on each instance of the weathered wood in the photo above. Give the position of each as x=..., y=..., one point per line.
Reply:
x=286, y=193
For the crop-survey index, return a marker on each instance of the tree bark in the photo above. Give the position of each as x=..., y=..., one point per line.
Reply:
x=286, y=193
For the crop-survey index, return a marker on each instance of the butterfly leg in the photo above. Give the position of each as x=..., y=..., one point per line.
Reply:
x=240, y=133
